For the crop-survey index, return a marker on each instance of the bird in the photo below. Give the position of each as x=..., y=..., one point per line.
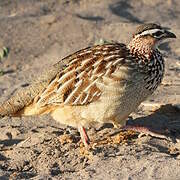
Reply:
x=98, y=84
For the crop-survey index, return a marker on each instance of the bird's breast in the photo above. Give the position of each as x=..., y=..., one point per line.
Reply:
x=155, y=71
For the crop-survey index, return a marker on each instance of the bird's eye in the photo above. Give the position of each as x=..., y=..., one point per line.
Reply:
x=158, y=34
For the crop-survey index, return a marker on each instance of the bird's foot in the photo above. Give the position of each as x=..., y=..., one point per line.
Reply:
x=147, y=131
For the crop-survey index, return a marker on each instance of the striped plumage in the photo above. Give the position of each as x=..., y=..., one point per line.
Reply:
x=103, y=83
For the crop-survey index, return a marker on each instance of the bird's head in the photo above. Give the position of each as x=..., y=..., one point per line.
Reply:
x=147, y=37
x=153, y=33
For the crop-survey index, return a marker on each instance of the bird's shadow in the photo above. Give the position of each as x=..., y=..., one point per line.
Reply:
x=167, y=117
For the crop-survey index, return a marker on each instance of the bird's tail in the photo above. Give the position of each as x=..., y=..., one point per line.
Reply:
x=9, y=107
x=21, y=104
x=23, y=97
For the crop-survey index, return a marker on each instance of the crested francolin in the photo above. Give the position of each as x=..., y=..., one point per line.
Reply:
x=102, y=83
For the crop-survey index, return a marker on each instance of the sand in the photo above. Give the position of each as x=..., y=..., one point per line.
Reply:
x=40, y=33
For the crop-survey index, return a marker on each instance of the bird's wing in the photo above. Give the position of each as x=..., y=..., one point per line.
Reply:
x=75, y=84
x=70, y=81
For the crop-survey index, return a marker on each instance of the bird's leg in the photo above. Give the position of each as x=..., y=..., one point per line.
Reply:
x=146, y=131
x=84, y=137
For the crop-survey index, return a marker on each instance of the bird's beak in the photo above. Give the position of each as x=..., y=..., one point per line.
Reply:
x=168, y=34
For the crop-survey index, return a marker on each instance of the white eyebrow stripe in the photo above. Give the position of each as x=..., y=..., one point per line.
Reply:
x=151, y=31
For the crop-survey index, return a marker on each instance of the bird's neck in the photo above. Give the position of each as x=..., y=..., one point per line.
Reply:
x=142, y=47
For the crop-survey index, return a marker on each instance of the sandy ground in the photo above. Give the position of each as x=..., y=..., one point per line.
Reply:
x=39, y=33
